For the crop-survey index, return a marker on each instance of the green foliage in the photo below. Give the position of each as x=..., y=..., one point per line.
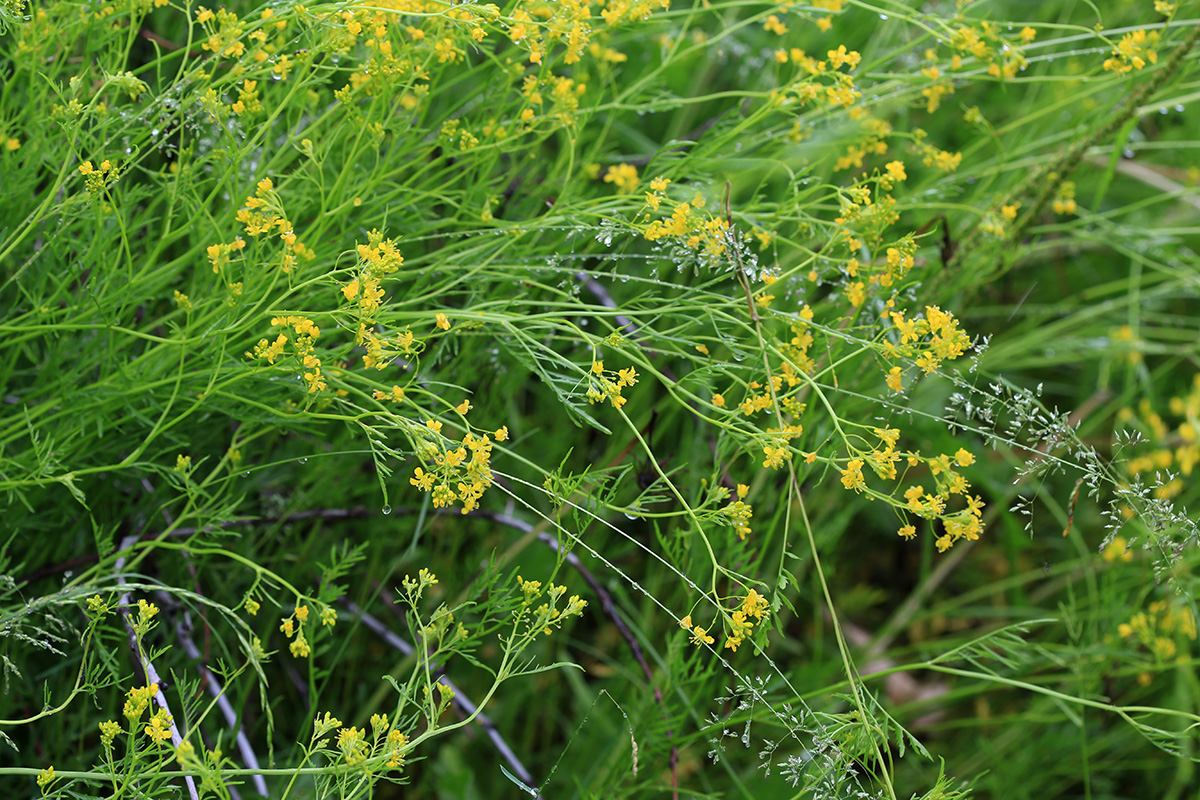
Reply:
x=382, y=385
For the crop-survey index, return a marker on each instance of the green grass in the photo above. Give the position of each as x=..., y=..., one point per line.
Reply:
x=439, y=400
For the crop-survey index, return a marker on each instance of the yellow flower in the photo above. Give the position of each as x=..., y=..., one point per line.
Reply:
x=422, y=479
x=442, y=322
x=1117, y=551
x=856, y=294
x=108, y=732
x=852, y=477
x=775, y=456
x=623, y=176
x=184, y=753
x=755, y=605
x=299, y=647
x=159, y=728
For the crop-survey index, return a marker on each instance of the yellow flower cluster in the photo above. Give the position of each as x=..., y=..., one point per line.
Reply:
x=145, y=617
x=816, y=80
x=754, y=606
x=929, y=340
x=353, y=747
x=829, y=6
x=1159, y=628
x=415, y=587
x=293, y=627
x=883, y=460
x=378, y=258
x=220, y=254
x=1133, y=51
x=543, y=619
x=564, y=94
x=1064, y=199
x=262, y=213
x=159, y=726
x=248, y=101
x=97, y=179
x=1169, y=446
x=964, y=524
x=304, y=348
x=939, y=87
x=397, y=745
x=623, y=176
x=739, y=623
x=136, y=701
x=1003, y=55
x=739, y=512
x=996, y=225
x=108, y=732
x=933, y=156
x=461, y=474
x=875, y=132
x=608, y=384
x=225, y=32
x=705, y=233
x=1118, y=550
x=899, y=256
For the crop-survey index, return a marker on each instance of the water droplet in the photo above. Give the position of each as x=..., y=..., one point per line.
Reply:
x=387, y=510
x=246, y=474
x=883, y=16
x=304, y=460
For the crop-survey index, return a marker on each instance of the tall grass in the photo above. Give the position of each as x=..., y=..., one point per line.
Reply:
x=624, y=399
